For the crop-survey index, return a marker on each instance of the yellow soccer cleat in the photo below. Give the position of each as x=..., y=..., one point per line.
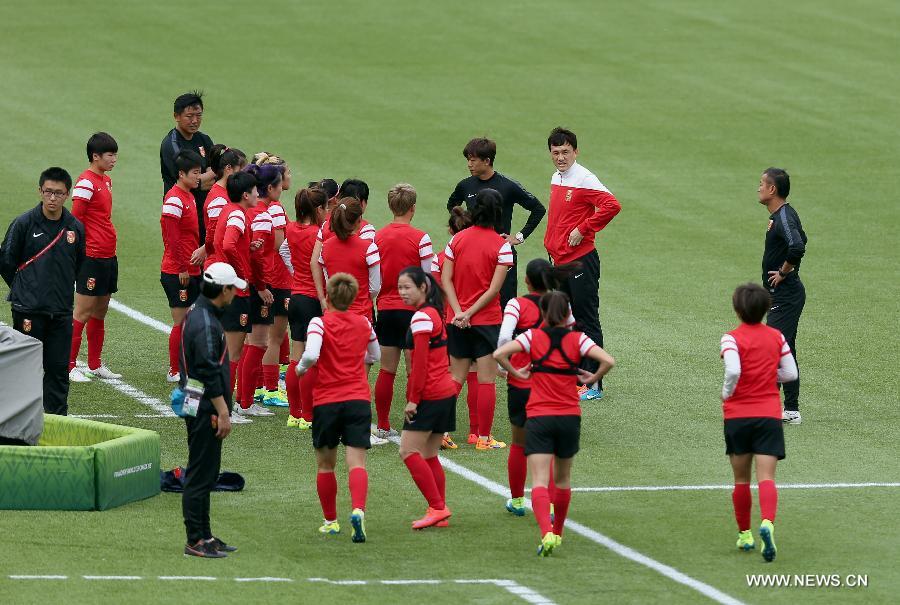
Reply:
x=767, y=535
x=489, y=444
x=745, y=540
x=329, y=528
x=548, y=543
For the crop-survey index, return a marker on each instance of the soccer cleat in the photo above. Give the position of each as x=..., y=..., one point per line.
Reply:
x=549, y=542
x=489, y=444
x=276, y=399
x=552, y=513
x=76, y=375
x=516, y=506
x=259, y=395
x=386, y=433
x=767, y=535
x=220, y=546
x=358, y=521
x=745, y=540
x=237, y=418
x=376, y=440
x=102, y=372
x=298, y=423
x=255, y=410
x=173, y=376
x=447, y=443
x=203, y=549
x=432, y=517
x=330, y=528
x=282, y=371
x=472, y=439
x=444, y=523
x=790, y=417
x=590, y=395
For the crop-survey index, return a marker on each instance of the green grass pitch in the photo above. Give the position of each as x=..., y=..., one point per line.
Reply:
x=678, y=106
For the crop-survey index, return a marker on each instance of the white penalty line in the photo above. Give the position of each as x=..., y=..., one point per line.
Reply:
x=162, y=409
x=692, y=488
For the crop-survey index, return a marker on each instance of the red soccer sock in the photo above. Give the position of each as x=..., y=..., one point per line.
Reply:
x=233, y=374
x=306, y=392
x=561, y=509
x=540, y=503
x=768, y=501
x=284, y=353
x=270, y=376
x=250, y=361
x=422, y=475
x=258, y=374
x=292, y=386
x=174, y=347
x=551, y=483
x=239, y=374
x=516, y=470
x=742, y=501
x=96, y=331
x=440, y=480
x=77, y=330
x=359, y=487
x=326, y=486
x=384, y=395
x=472, y=401
x=487, y=400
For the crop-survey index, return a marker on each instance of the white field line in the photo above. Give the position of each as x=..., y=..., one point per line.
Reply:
x=691, y=488
x=101, y=416
x=163, y=410
x=138, y=316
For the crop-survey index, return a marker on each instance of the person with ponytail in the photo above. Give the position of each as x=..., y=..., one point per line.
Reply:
x=431, y=394
x=264, y=157
x=224, y=161
x=340, y=344
x=553, y=425
x=522, y=314
x=476, y=263
x=309, y=205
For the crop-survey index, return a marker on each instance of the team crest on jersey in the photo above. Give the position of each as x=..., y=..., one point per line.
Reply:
x=182, y=295
x=244, y=319
x=70, y=237
x=287, y=303
x=769, y=226
x=91, y=283
x=26, y=325
x=569, y=195
x=264, y=311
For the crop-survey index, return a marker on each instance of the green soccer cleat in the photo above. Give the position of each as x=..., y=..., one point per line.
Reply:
x=516, y=506
x=330, y=528
x=767, y=535
x=259, y=395
x=276, y=399
x=745, y=540
x=358, y=521
x=549, y=542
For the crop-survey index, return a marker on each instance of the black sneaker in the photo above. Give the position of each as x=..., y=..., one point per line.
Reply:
x=203, y=549
x=220, y=546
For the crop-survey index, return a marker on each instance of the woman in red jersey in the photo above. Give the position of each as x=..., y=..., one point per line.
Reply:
x=476, y=263
x=431, y=408
x=224, y=161
x=339, y=344
x=553, y=427
x=301, y=237
x=756, y=359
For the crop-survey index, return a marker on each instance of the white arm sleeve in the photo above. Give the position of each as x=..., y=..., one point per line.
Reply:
x=373, y=351
x=314, y=335
x=285, y=252
x=374, y=280
x=510, y=319
x=732, y=361
x=787, y=366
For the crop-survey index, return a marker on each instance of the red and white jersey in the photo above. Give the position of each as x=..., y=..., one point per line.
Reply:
x=522, y=314
x=476, y=252
x=761, y=350
x=301, y=240
x=554, y=394
x=232, y=243
x=92, y=205
x=429, y=376
x=437, y=263
x=366, y=231
x=281, y=276
x=577, y=199
x=216, y=200
x=360, y=258
x=400, y=246
x=180, y=232
x=261, y=258
x=340, y=341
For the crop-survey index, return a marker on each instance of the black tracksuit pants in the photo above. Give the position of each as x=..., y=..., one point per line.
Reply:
x=787, y=305
x=204, y=462
x=55, y=332
x=510, y=284
x=583, y=289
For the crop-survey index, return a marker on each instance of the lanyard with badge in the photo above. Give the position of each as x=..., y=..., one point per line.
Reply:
x=185, y=400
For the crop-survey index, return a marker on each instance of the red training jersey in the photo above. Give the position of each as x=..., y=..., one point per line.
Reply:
x=342, y=373
x=756, y=394
x=366, y=231
x=429, y=376
x=216, y=200
x=437, y=263
x=400, y=245
x=180, y=232
x=554, y=394
x=527, y=316
x=261, y=258
x=301, y=239
x=281, y=276
x=92, y=205
x=476, y=252
x=357, y=257
x=232, y=243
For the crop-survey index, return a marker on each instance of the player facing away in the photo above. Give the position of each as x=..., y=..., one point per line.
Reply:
x=400, y=245
x=474, y=269
x=553, y=427
x=431, y=407
x=180, y=278
x=98, y=277
x=756, y=358
x=340, y=344
x=309, y=205
x=224, y=161
x=520, y=314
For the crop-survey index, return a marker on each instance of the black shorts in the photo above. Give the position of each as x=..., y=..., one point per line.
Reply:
x=434, y=416
x=180, y=297
x=236, y=317
x=300, y=312
x=98, y=276
x=473, y=342
x=391, y=327
x=347, y=422
x=281, y=303
x=755, y=436
x=557, y=435
x=260, y=314
x=516, y=398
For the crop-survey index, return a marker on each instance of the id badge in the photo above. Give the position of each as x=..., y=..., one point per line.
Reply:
x=193, y=393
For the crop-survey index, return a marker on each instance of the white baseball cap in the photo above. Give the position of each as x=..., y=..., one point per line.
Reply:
x=222, y=274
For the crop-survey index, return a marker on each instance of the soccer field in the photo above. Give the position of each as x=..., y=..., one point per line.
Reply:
x=678, y=107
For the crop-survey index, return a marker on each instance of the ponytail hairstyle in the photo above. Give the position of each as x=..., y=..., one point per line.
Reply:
x=354, y=188
x=459, y=219
x=544, y=277
x=345, y=216
x=434, y=297
x=329, y=186
x=222, y=156
x=267, y=175
x=487, y=208
x=341, y=289
x=555, y=308
x=306, y=201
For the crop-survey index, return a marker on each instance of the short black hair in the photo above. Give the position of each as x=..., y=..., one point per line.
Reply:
x=238, y=184
x=560, y=136
x=188, y=99
x=751, y=301
x=329, y=186
x=209, y=289
x=55, y=173
x=187, y=160
x=487, y=208
x=354, y=188
x=100, y=143
x=482, y=148
x=781, y=179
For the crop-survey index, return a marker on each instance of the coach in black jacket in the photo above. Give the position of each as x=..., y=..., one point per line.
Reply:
x=39, y=259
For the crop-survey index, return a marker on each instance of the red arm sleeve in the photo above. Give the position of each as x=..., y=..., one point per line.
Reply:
x=607, y=208
x=79, y=208
x=229, y=246
x=210, y=235
x=258, y=267
x=419, y=372
x=171, y=235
